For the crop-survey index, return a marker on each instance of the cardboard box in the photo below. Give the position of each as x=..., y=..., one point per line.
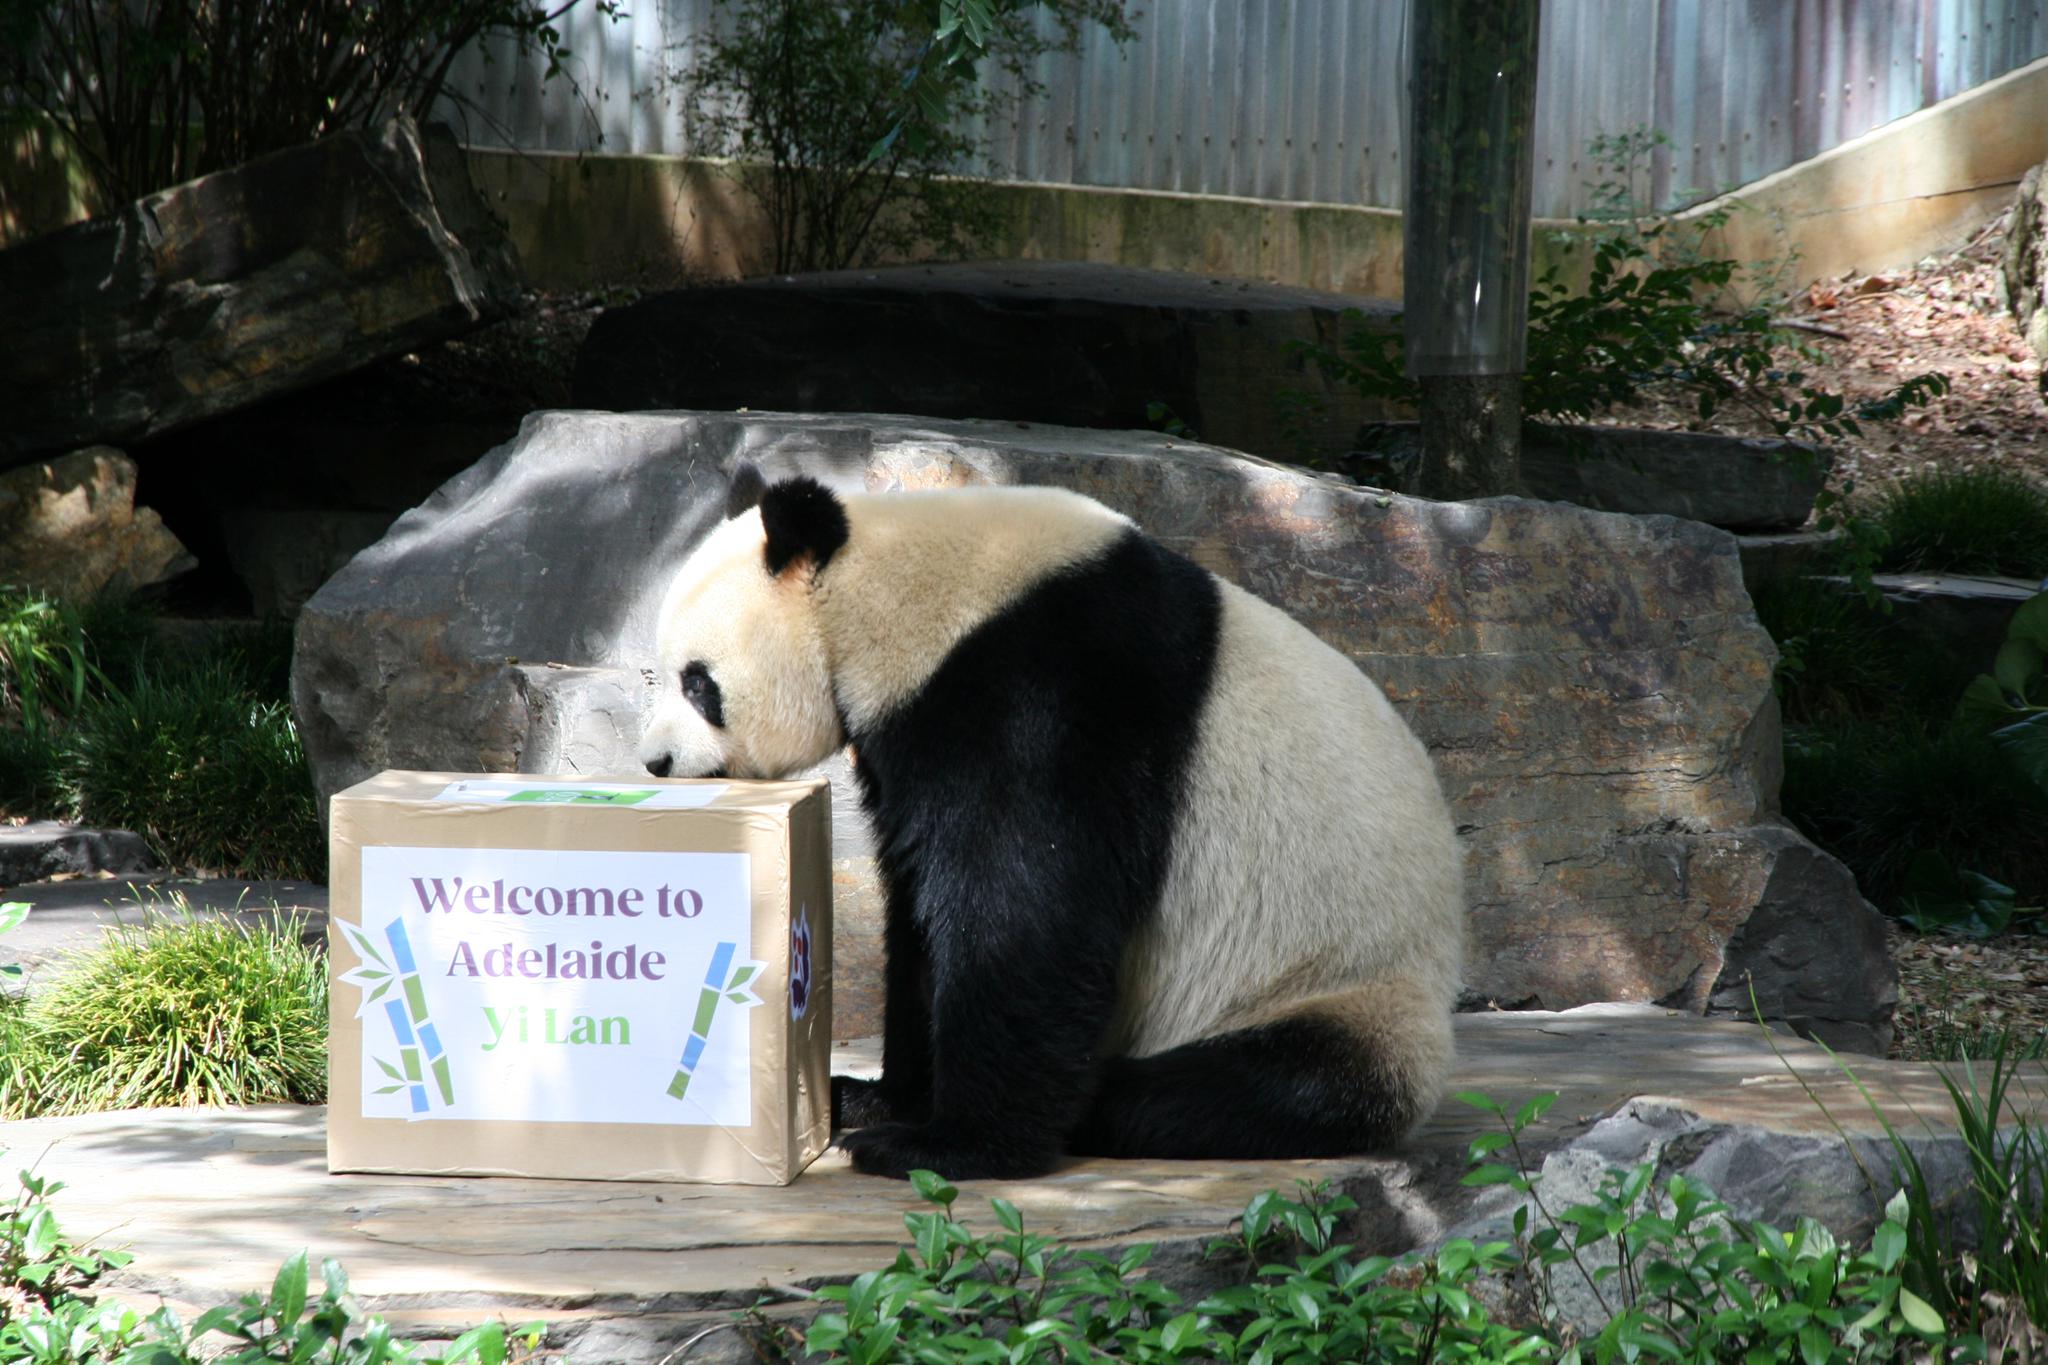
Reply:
x=608, y=981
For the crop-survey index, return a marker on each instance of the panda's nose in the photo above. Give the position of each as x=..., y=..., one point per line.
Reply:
x=660, y=766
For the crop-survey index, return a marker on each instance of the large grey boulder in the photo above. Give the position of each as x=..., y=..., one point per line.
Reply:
x=209, y=295
x=1595, y=688
x=1070, y=342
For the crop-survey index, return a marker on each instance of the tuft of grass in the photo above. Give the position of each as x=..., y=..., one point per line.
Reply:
x=1876, y=792
x=32, y=774
x=103, y=718
x=179, y=1011
x=210, y=775
x=1988, y=521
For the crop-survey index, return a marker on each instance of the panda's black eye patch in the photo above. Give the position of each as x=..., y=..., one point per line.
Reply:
x=700, y=689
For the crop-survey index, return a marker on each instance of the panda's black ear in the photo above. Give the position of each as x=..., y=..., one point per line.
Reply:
x=745, y=493
x=804, y=521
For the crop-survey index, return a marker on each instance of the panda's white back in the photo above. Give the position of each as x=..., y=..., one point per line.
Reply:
x=1314, y=853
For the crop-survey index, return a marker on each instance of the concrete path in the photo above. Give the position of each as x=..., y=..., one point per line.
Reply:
x=71, y=916
x=211, y=1200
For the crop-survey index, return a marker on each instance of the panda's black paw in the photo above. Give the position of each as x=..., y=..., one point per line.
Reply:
x=897, y=1149
x=862, y=1104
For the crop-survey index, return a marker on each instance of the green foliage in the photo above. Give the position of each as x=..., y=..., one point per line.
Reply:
x=49, y=1317
x=44, y=665
x=192, y=747
x=1835, y=654
x=2012, y=700
x=176, y=1012
x=1979, y=1261
x=12, y=914
x=1945, y=823
x=1018, y=1297
x=1989, y=521
x=848, y=119
x=1645, y=318
x=1876, y=792
x=155, y=92
x=1676, y=1276
x=209, y=775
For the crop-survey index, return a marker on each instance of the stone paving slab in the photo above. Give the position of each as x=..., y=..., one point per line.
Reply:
x=72, y=916
x=211, y=1200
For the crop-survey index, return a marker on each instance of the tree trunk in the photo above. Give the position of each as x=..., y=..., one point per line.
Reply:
x=1471, y=435
x=1465, y=286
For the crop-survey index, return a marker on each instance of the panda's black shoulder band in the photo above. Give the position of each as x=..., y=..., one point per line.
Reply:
x=803, y=519
x=744, y=493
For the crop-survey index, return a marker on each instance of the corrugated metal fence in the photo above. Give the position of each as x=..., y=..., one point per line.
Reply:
x=1300, y=99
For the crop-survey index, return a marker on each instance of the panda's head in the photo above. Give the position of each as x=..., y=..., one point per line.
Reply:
x=745, y=685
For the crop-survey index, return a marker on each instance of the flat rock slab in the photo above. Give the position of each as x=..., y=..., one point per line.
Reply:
x=211, y=1200
x=73, y=916
x=1739, y=483
x=45, y=848
x=1081, y=344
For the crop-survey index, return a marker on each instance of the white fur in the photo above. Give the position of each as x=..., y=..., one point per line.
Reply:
x=759, y=637
x=1315, y=867
x=921, y=570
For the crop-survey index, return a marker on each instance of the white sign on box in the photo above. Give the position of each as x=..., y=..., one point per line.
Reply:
x=590, y=986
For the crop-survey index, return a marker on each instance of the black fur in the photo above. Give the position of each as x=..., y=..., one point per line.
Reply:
x=1297, y=1088
x=804, y=520
x=744, y=495
x=1024, y=804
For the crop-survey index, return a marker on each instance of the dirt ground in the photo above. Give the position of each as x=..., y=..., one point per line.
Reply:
x=1863, y=335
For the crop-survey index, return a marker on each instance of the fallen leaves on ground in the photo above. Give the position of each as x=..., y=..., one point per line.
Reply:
x=1961, y=988
x=1864, y=335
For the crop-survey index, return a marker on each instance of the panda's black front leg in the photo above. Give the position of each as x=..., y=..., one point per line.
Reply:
x=1023, y=984
x=904, y=1093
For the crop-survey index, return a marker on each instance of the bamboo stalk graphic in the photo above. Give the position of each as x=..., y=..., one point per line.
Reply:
x=717, y=986
x=419, y=1044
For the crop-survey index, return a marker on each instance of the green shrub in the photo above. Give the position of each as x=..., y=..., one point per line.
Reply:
x=154, y=92
x=177, y=1012
x=32, y=774
x=1835, y=656
x=846, y=123
x=191, y=745
x=45, y=666
x=1876, y=793
x=1988, y=521
x=210, y=776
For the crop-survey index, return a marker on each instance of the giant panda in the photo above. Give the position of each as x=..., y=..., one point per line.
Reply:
x=1166, y=876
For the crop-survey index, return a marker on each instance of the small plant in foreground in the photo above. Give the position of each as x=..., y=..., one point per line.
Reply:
x=49, y=1317
x=1988, y=521
x=175, y=1013
x=1987, y=1272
